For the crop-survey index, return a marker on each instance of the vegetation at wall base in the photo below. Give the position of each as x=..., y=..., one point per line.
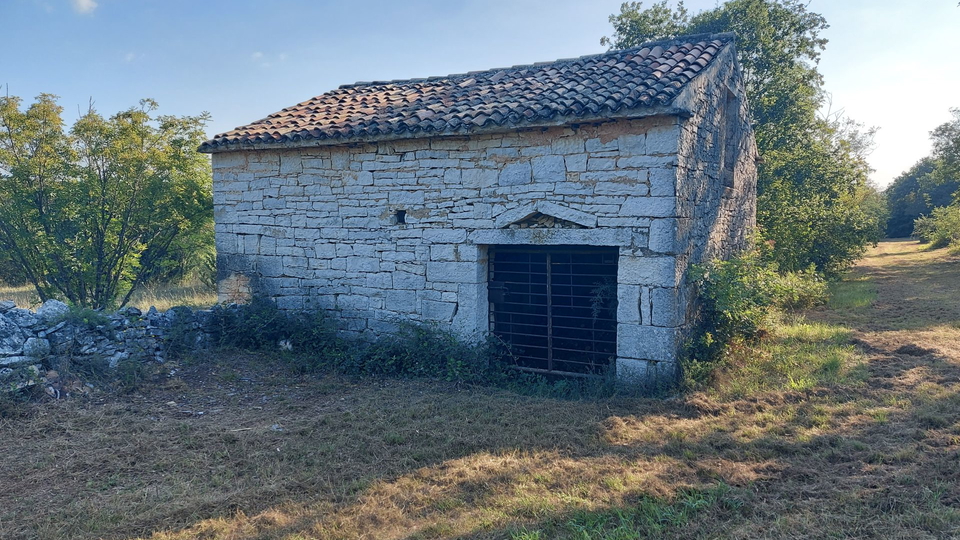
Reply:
x=740, y=301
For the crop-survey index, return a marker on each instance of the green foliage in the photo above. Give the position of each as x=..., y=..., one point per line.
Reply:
x=260, y=325
x=648, y=517
x=941, y=228
x=739, y=299
x=13, y=403
x=132, y=375
x=419, y=350
x=87, y=317
x=415, y=350
x=91, y=213
x=814, y=201
x=932, y=183
x=916, y=193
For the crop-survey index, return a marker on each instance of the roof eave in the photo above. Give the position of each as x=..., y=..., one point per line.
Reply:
x=675, y=108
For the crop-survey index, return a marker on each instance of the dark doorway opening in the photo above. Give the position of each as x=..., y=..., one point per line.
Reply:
x=556, y=306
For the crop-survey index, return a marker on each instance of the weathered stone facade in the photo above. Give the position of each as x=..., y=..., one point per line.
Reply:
x=400, y=229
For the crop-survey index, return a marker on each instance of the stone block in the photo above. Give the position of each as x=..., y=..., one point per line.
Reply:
x=52, y=311
x=438, y=311
x=401, y=301
x=455, y=272
x=663, y=235
x=479, y=178
x=628, y=304
x=575, y=162
x=663, y=182
x=451, y=176
x=601, y=164
x=633, y=145
x=597, y=145
x=444, y=236
x=363, y=264
x=650, y=207
x=472, y=316
x=633, y=372
x=567, y=145
x=292, y=302
x=663, y=139
x=647, y=342
x=652, y=271
x=668, y=308
x=549, y=169
x=402, y=198
x=515, y=174
x=442, y=252
x=11, y=337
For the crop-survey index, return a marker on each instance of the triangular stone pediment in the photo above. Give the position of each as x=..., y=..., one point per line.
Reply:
x=539, y=220
x=544, y=215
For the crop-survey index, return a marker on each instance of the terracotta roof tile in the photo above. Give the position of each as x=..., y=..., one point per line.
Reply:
x=645, y=76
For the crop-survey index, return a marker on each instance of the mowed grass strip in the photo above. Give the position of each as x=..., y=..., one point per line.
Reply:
x=824, y=430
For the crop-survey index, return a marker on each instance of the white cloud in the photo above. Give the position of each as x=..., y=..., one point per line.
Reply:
x=84, y=6
x=266, y=60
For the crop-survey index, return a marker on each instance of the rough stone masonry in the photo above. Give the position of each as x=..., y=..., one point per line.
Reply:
x=393, y=226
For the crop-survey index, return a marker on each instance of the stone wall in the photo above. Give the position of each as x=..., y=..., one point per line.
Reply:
x=399, y=230
x=51, y=338
x=318, y=227
x=716, y=179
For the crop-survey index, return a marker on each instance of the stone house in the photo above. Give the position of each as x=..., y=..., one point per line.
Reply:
x=557, y=205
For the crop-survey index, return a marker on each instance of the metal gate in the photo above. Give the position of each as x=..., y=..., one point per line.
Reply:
x=556, y=307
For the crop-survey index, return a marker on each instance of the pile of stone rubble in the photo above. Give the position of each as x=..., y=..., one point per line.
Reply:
x=34, y=344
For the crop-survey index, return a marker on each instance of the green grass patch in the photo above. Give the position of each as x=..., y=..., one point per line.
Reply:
x=649, y=517
x=853, y=293
x=798, y=355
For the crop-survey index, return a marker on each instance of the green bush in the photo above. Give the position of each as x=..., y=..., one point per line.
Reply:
x=941, y=228
x=738, y=300
x=422, y=350
x=81, y=316
x=260, y=325
x=415, y=350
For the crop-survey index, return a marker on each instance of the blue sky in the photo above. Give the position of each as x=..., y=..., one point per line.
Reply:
x=888, y=64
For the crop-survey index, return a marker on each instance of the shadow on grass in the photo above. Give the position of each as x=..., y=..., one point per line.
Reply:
x=259, y=453
x=872, y=461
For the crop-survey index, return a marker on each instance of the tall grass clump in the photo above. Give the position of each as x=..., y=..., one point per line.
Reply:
x=739, y=300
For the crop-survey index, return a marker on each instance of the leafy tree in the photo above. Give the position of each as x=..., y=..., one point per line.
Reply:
x=92, y=213
x=946, y=145
x=932, y=183
x=815, y=203
x=916, y=193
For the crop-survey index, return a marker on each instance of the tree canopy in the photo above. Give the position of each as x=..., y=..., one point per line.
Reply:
x=90, y=213
x=933, y=182
x=815, y=205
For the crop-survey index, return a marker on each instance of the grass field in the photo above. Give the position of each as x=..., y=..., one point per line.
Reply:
x=163, y=297
x=845, y=423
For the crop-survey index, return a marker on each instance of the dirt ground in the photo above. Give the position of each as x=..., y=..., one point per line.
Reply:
x=235, y=446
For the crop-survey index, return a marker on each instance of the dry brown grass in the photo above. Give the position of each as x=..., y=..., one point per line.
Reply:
x=163, y=296
x=237, y=446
